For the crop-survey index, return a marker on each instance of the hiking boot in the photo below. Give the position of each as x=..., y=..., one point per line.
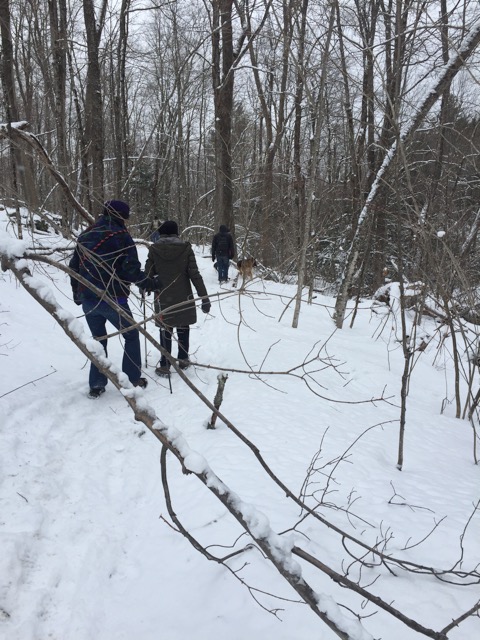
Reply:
x=184, y=364
x=163, y=371
x=96, y=392
x=142, y=383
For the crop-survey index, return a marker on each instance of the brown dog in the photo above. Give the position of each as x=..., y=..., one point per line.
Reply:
x=245, y=269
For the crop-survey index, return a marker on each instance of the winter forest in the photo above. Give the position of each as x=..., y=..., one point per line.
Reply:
x=339, y=142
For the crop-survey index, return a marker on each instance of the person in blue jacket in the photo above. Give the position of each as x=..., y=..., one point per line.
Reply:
x=222, y=250
x=106, y=256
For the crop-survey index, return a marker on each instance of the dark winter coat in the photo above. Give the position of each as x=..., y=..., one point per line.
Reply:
x=174, y=262
x=106, y=256
x=222, y=245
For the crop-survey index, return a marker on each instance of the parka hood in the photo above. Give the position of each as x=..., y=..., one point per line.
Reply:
x=170, y=247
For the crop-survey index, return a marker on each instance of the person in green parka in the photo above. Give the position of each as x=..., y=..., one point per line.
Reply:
x=173, y=259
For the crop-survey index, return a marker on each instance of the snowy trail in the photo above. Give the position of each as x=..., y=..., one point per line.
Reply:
x=85, y=552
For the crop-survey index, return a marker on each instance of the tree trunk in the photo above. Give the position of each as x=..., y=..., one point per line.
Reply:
x=58, y=32
x=94, y=102
x=318, y=111
x=120, y=109
x=223, y=83
x=21, y=168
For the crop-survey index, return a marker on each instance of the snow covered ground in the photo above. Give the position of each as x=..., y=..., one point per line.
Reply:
x=87, y=549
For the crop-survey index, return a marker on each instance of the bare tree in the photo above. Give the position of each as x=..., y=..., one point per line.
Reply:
x=223, y=58
x=93, y=99
x=57, y=10
x=444, y=81
x=20, y=168
x=317, y=109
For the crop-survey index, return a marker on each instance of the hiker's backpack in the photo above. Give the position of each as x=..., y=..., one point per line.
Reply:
x=221, y=248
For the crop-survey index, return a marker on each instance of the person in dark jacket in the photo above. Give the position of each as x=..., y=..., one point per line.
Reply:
x=173, y=261
x=107, y=258
x=222, y=251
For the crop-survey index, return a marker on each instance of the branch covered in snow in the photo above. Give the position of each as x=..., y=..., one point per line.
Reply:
x=18, y=136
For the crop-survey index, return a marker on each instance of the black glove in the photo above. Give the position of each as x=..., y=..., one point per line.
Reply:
x=153, y=284
x=213, y=258
x=147, y=285
x=206, y=306
x=76, y=297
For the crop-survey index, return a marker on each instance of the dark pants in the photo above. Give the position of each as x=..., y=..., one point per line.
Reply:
x=183, y=336
x=223, y=263
x=96, y=314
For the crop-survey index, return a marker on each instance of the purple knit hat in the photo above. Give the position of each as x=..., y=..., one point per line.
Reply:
x=116, y=208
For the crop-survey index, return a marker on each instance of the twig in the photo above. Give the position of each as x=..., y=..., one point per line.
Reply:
x=222, y=379
x=346, y=582
x=27, y=383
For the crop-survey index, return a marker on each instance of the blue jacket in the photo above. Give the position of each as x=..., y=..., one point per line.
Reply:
x=222, y=245
x=106, y=256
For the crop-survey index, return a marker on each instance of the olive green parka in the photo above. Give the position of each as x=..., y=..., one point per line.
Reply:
x=173, y=260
